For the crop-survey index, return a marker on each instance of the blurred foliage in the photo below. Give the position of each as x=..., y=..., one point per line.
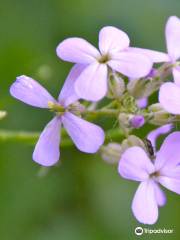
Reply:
x=83, y=197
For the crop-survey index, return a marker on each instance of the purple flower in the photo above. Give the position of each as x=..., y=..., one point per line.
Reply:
x=169, y=97
x=86, y=136
x=136, y=165
x=172, y=33
x=113, y=52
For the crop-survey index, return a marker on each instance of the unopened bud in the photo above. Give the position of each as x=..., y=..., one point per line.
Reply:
x=124, y=122
x=129, y=121
x=132, y=141
x=111, y=153
x=137, y=121
x=116, y=85
x=141, y=88
x=159, y=116
x=3, y=114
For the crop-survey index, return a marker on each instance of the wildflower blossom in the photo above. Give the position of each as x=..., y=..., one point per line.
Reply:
x=172, y=34
x=136, y=165
x=87, y=136
x=113, y=53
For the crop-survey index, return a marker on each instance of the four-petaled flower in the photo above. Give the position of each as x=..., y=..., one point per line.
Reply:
x=86, y=136
x=88, y=80
x=114, y=53
x=165, y=170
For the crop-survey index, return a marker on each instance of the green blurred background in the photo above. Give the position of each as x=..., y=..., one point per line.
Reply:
x=82, y=198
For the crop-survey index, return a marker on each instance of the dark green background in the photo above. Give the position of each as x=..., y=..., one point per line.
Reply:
x=82, y=198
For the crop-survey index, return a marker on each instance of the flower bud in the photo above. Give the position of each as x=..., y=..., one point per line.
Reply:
x=132, y=141
x=116, y=85
x=137, y=121
x=129, y=121
x=3, y=114
x=141, y=88
x=111, y=153
x=159, y=116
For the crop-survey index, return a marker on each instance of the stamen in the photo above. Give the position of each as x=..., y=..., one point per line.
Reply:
x=104, y=58
x=154, y=174
x=57, y=108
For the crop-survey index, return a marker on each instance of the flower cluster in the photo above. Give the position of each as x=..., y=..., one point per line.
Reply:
x=126, y=76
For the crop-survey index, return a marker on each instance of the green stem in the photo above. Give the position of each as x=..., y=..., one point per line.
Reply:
x=32, y=137
x=102, y=112
x=28, y=137
x=110, y=105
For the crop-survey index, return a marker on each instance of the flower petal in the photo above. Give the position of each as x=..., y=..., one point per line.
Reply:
x=142, y=102
x=77, y=50
x=47, y=152
x=159, y=194
x=144, y=205
x=87, y=136
x=169, y=155
x=172, y=32
x=155, y=56
x=169, y=97
x=30, y=92
x=173, y=184
x=67, y=94
x=112, y=40
x=176, y=75
x=132, y=65
x=92, y=83
x=135, y=164
x=153, y=135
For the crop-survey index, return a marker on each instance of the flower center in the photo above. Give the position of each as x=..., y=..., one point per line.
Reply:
x=154, y=174
x=55, y=107
x=104, y=58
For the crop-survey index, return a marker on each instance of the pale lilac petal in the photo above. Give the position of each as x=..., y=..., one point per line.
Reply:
x=144, y=205
x=169, y=154
x=169, y=97
x=112, y=40
x=173, y=172
x=77, y=50
x=159, y=194
x=142, y=102
x=135, y=164
x=91, y=85
x=176, y=75
x=132, y=65
x=47, y=151
x=173, y=184
x=87, y=136
x=173, y=37
x=153, y=135
x=30, y=92
x=155, y=56
x=67, y=94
